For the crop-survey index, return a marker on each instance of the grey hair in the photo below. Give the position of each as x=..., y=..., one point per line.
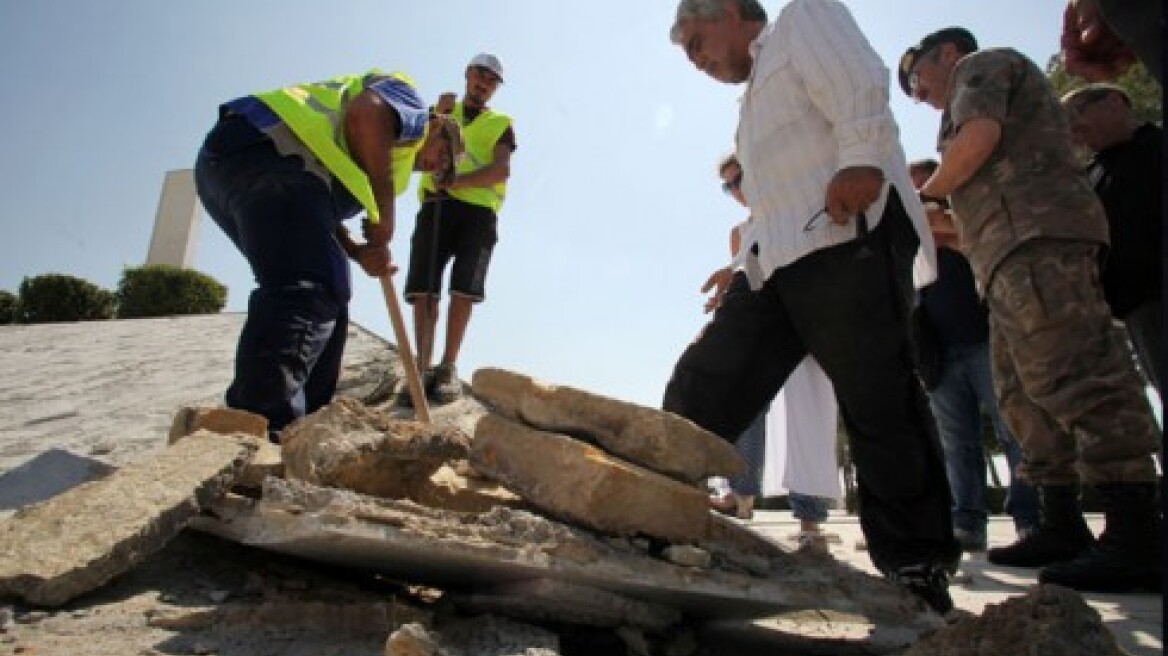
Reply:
x=687, y=10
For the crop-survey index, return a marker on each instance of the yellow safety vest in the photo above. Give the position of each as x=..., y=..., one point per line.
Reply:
x=480, y=137
x=313, y=111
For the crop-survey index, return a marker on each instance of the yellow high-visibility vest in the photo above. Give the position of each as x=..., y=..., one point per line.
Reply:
x=313, y=111
x=480, y=137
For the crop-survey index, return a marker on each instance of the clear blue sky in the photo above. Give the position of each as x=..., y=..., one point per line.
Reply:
x=614, y=216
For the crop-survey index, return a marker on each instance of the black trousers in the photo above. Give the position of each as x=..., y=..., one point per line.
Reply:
x=848, y=306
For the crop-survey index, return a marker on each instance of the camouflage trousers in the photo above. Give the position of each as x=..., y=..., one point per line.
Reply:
x=1067, y=388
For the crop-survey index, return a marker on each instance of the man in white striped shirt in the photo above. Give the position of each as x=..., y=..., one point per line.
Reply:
x=838, y=228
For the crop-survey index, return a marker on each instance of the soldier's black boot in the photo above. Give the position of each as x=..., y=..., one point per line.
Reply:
x=1129, y=554
x=1062, y=534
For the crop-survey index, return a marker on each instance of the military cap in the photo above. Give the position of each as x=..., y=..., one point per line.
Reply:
x=958, y=35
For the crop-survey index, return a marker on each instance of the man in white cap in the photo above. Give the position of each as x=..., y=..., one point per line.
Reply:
x=457, y=221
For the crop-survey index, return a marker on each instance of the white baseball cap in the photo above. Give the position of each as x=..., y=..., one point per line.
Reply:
x=489, y=62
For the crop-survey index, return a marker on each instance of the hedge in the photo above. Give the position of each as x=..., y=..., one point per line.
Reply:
x=163, y=290
x=54, y=297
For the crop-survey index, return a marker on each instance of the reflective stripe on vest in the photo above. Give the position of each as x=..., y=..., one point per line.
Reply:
x=313, y=112
x=480, y=137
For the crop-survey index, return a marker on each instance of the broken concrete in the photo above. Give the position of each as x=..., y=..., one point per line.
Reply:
x=450, y=488
x=75, y=542
x=347, y=445
x=266, y=461
x=461, y=552
x=661, y=441
x=225, y=421
x=579, y=482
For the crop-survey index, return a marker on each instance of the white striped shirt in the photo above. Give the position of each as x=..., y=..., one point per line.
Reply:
x=817, y=102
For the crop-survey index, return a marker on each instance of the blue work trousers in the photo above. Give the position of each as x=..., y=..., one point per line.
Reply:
x=965, y=388
x=282, y=218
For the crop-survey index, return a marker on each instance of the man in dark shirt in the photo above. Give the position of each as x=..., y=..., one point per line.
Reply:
x=1127, y=171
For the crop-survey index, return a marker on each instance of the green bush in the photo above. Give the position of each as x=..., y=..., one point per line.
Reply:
x=162, y=290
x=55, y=297
x=8, y=307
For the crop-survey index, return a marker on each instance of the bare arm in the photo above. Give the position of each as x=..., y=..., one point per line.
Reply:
x=967, y=153
x=371, y=128
x=495, y=172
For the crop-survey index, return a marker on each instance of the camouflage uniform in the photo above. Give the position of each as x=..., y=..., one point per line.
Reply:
x=1034, y=230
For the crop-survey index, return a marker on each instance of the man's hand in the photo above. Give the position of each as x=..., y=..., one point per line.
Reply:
x=1090, y=48
x=851, y=191
x=376, y=234
x=375, y=260
x=445, y=104
x=719, y=281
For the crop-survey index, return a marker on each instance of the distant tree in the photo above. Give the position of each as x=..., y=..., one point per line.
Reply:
x=54, y=297
x=1147, y=99
x=162, y=290
x=8, y=307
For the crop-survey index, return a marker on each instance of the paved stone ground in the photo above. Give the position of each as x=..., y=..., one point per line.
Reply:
x=1135, y=619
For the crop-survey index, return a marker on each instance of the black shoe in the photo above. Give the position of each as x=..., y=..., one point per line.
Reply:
x=1129, y=553
x=1107, y=568
x=928, y=582
x=445, y=387
x=1042, y=547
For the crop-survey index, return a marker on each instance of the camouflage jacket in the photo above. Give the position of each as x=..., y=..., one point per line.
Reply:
x=1031, y=186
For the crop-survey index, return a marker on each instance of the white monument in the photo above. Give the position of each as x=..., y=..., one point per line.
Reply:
x=176, y=226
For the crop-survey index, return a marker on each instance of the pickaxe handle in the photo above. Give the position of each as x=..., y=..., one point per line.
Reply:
x=417, y=393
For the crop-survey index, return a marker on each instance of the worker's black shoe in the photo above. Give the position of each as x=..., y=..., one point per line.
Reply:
x=1042, y=546
x=444, y=387
x=1129, y=554
x=928, y=582
x=1061, y=535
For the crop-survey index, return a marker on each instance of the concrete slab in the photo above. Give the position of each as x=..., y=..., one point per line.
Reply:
x=576, y=481
x=661, y=441
x=54, y=551
x=461, y=552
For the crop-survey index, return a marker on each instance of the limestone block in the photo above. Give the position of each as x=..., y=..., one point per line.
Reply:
x=77, y=541
x=577, y=481
x=348, y=445
x=661, y=441
x=225, y=421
